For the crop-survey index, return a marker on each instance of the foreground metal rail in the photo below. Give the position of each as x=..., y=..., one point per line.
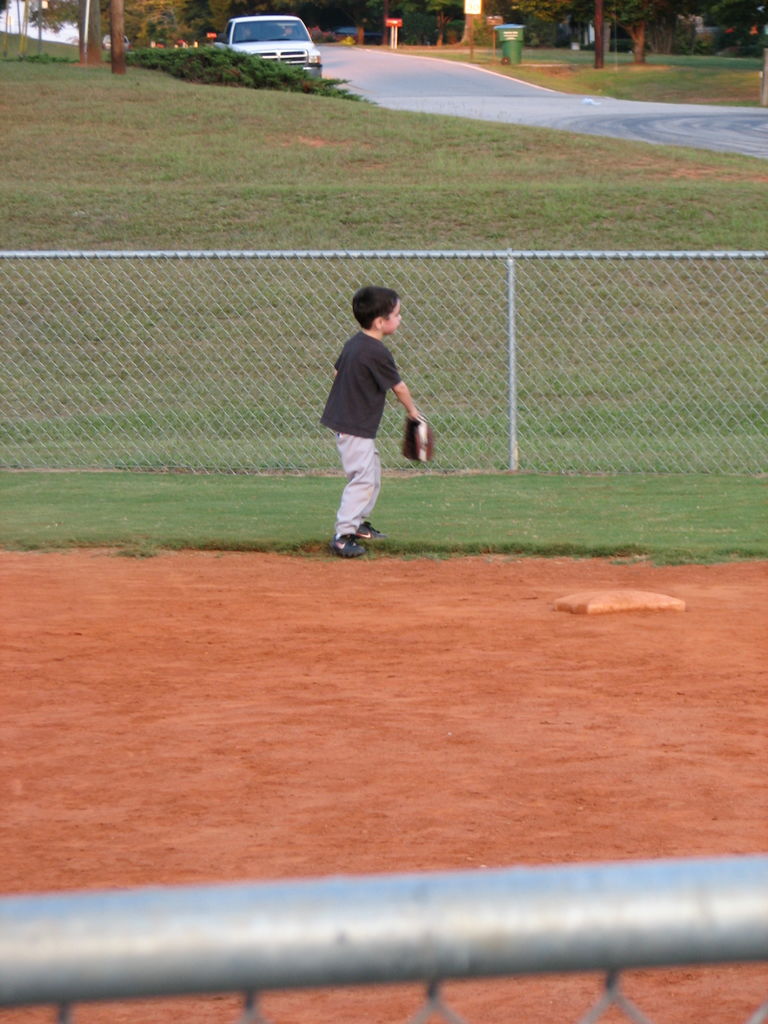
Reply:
x=74, y=947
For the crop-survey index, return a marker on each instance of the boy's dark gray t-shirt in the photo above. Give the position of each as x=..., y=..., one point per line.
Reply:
x=365, y=371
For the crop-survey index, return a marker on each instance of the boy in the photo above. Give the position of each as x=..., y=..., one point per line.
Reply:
x=364, y=372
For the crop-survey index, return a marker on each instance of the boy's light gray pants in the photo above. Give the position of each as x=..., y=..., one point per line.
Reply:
x=362, y=468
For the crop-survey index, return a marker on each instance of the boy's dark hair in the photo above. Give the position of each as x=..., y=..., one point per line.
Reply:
x=371, y=302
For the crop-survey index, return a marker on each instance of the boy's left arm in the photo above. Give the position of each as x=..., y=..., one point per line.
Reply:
x=403, y=395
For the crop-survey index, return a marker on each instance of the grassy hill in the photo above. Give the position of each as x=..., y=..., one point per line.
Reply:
x=97, y=161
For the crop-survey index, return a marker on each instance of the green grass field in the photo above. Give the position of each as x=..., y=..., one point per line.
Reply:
x=663, y=518
x=95, y=161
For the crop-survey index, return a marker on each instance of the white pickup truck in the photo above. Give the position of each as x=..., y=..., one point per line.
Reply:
x=274, y=37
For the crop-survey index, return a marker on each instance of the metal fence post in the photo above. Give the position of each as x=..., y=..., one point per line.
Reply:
x=514, y=460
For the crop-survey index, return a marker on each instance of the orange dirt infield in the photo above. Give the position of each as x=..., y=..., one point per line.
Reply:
x=205, y=717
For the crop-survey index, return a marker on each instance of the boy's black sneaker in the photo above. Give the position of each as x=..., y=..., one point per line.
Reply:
x=367, y=532
x=345, y=546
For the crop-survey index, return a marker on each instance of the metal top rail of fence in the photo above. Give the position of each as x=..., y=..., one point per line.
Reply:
x=551, y=361
x=436, y=254
x=76, y=947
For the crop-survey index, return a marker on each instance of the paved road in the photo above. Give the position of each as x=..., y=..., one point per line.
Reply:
x=435, y=86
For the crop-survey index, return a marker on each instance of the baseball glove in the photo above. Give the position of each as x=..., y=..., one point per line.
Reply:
x=418, y=440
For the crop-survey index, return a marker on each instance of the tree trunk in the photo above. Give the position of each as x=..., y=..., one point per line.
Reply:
x=599, y=30
x=637, y=35
x=661, y=35
x=442, y=21
x=117, y=47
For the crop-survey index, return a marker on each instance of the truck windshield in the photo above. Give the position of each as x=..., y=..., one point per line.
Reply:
x=269, y=32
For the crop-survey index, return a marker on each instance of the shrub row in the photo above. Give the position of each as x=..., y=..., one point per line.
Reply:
x=208, y=65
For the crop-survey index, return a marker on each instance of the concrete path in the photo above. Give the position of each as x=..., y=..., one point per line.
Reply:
x=433, y=86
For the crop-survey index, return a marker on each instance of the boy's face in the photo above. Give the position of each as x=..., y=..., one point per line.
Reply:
x=389, y=324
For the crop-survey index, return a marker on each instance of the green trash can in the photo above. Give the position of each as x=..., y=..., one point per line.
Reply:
x=510, y=39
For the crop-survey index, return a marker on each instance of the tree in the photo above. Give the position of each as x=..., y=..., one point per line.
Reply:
x=152, y=21
x=668, y=19
x=445, y=11
x=55, y=14
x=744, y=21
x=632, y=15
x=165, y=22
x=365, y=15
x=117, y=31
x=560, y=12
x=199, y=16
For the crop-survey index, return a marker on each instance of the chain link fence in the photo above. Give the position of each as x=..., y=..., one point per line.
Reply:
x=612, y=1005
x=557, y=362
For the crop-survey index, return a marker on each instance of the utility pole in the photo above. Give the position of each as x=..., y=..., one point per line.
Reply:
x=117, y=42
x=471, y=8
x=599, y=28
